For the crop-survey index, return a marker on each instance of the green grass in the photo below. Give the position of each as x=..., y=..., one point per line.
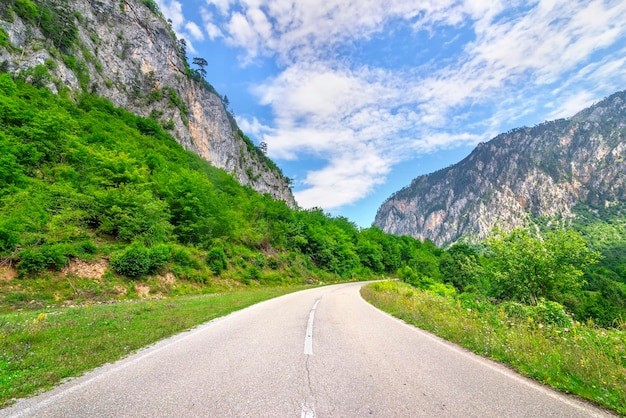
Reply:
x=38, y=349
x=580, y=359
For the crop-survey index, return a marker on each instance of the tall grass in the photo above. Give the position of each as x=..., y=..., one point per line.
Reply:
x=39, y=349
x=578, y=358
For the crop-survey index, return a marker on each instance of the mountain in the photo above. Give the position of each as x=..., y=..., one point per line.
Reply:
x=126, y=52
x=551, y=172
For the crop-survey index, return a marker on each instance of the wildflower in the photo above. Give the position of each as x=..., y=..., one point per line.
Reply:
x=566, y=329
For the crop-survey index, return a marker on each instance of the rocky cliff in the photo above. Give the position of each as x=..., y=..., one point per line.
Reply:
x=518, y=178
x=126, y=52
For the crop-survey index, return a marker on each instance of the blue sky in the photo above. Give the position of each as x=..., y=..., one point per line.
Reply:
x=355, y=98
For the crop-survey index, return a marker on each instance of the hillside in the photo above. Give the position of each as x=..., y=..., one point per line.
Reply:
x=97, y=203
x=553, y=172
x=126, y=52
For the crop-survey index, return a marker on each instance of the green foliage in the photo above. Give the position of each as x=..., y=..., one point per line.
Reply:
x=527, y=268
x=182, y=257
x=414, y=278
x=8, y=240
x=38, y=259
x=4, y=39
x=137, y=260
x=133, y=261
x=151, y=4
x=56, y=20
x=175, y=100
x=216, y=260
x=79, y=68
x=27, y=10
x=545, y=312
x=459, y=266
x=37, y=75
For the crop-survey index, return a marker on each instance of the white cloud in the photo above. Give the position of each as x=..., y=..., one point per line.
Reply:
x=195, y=31
x=572, y=104
x=292, y=29
x=222, y=5
x=253, y=127
x=211, y=28
x=351, y=177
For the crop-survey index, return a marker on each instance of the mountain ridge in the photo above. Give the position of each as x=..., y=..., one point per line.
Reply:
x=541, y=171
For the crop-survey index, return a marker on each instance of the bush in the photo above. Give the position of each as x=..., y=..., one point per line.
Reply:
x=253, y=273
x=273, y=263
x=85, y=247
x=553, y=313
x=133, y=261
x=8, y=240
x=259, y=261
x=442, y=289
x=137, y=260
x=27, y=10
x=34, y=260
x=216, y=260
x=414, y=278
x=7, y=85
x=159, y=256
x=182, y=257
x=545, y=312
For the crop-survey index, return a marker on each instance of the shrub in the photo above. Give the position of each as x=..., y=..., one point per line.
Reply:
x=4, y=39
x=253, y=273
x=414, y=278
x=8, y=240
x=259, y=260
x=182, y=257
x=442, y=289
x=85, y=247
x=27, y=10
x=553, y=313
x=34, y=260
x=545, y=312
x=216, y=260
x=133, y=261
x=273, y=263
x=159, y=256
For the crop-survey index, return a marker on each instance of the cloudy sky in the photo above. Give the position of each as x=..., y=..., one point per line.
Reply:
x=355, y=98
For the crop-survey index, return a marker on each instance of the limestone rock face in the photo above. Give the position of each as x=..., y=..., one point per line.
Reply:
x=518, y=177
x=127, y=53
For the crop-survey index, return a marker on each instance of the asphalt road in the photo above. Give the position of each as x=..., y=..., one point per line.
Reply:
x=318, y=353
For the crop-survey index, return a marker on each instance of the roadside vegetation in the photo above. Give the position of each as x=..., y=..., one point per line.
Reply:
x=538, y=341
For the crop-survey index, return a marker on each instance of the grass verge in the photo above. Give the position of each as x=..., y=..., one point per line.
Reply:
x=39, y=349
x=581, y=359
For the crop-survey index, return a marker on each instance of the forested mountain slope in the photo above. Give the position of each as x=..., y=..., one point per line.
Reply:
x=126, y=51
x=556, y=171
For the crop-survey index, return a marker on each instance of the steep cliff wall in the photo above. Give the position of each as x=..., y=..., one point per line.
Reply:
x=517, y=178
x=125, y=51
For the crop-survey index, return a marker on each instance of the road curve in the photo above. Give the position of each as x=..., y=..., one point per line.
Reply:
x=323, y=352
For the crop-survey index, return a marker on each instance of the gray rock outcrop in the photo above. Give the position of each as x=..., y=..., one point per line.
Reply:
x=517, y=178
